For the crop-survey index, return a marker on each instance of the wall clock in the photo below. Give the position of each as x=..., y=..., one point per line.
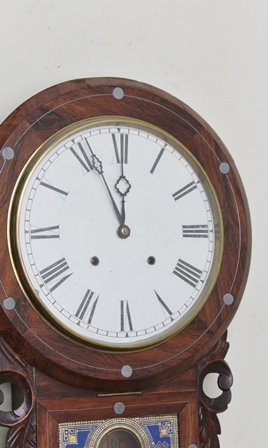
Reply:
x=125, y=252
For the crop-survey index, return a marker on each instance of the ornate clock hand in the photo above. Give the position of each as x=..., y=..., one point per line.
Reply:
x=122, y=185
x=123, y=230
x=97, y=166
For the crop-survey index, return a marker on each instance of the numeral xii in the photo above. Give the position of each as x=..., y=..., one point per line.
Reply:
x=121, y=150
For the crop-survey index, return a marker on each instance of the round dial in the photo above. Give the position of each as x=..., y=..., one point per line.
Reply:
x=118, y=233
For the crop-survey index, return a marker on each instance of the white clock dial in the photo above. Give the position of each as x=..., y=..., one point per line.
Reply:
x=116, y=233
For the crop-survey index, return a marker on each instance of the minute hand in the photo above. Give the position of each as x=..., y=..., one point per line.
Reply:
x=122, y=185
x=118, y=214
x=97, y=166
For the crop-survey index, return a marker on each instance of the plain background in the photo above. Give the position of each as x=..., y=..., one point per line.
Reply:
x=212, y=54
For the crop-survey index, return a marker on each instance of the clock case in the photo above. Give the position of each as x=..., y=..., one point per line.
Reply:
x=61, y=380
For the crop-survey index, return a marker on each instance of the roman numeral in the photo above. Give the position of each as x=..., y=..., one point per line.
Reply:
x=185, y=190
x=121, y=152
x=157, y=159
x=80, y=151
x=125, y=317
x=164, y=305
x=195, y=231
x=87, y=307
x=53, y=274
x=187, y=272
x=51, y=187
x=45, y=233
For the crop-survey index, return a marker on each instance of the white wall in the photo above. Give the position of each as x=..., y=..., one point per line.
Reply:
x=212, y=54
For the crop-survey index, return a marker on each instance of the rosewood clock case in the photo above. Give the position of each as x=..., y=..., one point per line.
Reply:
x=164, y=379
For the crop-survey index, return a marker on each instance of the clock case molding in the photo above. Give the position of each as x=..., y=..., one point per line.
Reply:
x=167, y=378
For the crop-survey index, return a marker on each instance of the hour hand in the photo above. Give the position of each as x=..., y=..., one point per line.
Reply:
x=123, y=230
x=122, y=187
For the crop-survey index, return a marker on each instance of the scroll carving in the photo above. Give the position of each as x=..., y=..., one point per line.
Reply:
x=209, y=407
x=21, y=418
x=23, y=434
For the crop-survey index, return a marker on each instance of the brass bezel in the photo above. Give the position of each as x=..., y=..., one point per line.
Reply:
x=14, y=245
